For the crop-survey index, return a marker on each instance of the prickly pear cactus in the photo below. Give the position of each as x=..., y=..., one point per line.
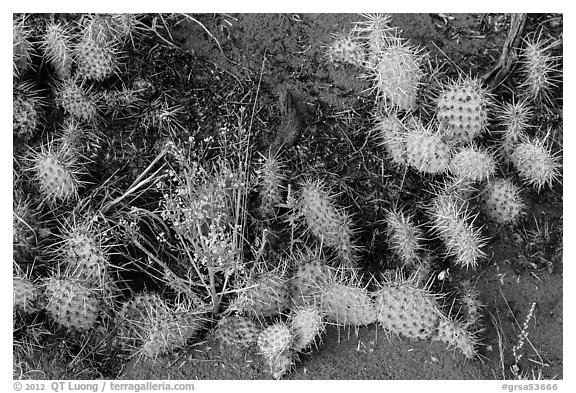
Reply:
x=535, y=163
x=23, y=235
x=57, y=173
x=462, y=110
x=469, y=297
x=346, y=50
x=25, y=115
x=471, y=163
x=148, y=326
x=454, y=224
x=26, y=295
x=540, y=70
x=94, y=60
x=397, y=74
x=238, y=331
x=270, y=182
x=171, y=332
x=426, y=151
x=308, y=280
x=331, y=225
x=457, y=336
x=407, y=310
x=404, y=237
x=77, y=101
x=514, y=118
x=391, y=133
x=275, y=340
x=21, y=46
x=346, y=302
x=306, y=324
x=267, y=295
x=109, y=28
x=500, y=201
x=84, y=255
x=280, y=365
x=57, y=44
x=71, y=304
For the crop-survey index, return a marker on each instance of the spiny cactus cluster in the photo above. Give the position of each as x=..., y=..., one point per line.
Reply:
x=203, y=236
x=149, y=326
